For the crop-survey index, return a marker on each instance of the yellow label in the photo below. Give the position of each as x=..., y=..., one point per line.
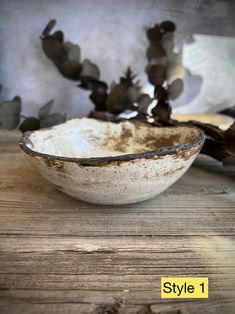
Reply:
x=184, y=287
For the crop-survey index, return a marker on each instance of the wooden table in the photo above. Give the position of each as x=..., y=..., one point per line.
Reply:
x=59, y=255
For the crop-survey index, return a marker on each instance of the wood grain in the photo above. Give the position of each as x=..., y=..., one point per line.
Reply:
x=60, y=255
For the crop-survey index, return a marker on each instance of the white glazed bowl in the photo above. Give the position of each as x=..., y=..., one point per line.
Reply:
x=112, y=163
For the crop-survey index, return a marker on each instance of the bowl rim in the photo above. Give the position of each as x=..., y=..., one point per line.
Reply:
x=97, y=161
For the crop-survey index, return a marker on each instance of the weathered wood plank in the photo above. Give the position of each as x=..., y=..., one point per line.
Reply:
x=77, y=308
x=60, y=255
x=160, y=244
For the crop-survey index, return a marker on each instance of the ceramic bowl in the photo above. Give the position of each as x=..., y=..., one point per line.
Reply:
x=112, y=163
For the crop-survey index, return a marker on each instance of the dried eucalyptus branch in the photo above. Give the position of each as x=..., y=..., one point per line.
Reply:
x=10, y=116
x=164, y=70
x=165, y=73
x=65, y=55
x=45, y=119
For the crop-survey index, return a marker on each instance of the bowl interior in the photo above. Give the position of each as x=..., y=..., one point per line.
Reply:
x=87, y=138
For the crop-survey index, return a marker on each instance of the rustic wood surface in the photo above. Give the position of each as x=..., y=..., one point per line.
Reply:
x=59, y=255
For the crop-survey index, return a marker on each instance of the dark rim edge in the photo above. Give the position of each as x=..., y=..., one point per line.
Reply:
x=96, y=161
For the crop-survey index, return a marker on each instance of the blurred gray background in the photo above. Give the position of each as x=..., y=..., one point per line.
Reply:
x=112, y=34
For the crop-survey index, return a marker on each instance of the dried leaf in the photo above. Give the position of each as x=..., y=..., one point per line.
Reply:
x=49, y=28
x=54, y=50
x=157, y=74
x=132, y=94
x=175, y=89
x=128, y=77
x=52, y=119
x=155, y=52
x=210, y=130
x=17, y=99
x=162, y=111
x=90, y=70
x=133, y=86
x=168, y=26
x=168, y=42
x=74, y=51
x=70, y=69
x=129, y=73
x=176, y=72
x=58, y=35
x=154, y=34
x=117, y=100
x=99, y=98
x=214, y=149
x=68, y=45
x=160, y=92
x=229, y=137
x=45, y=110
x=30, y=124
x=175, y=68
x=144, y=101
x=10, y=113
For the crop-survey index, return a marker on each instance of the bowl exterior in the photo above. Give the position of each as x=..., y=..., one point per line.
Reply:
x=118, y=182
